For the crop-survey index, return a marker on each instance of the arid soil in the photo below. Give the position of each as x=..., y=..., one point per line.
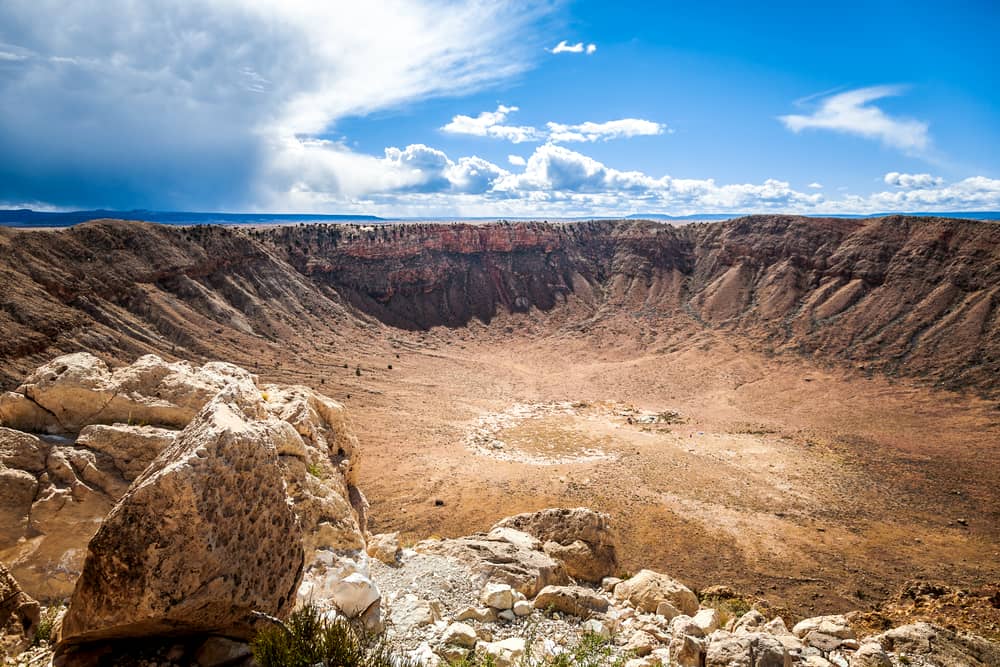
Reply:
x=773, y=436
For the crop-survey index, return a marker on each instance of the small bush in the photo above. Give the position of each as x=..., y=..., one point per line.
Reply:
x=309, y=640
x=728, y=608
x=315, y=470
x=43, y=632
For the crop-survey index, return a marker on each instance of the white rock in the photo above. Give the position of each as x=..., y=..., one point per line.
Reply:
x=498, y=596
x=424, y=656
x=506, y=652
x=667, y=610
x=596, y=627
x=641, y=643
x=354, y=594
x=507, y=615
x=522, y=608
x=835, y=626
x=459, y=634
x=707, y=619
x=870, y=654
x=385, y=547
x=483, y=615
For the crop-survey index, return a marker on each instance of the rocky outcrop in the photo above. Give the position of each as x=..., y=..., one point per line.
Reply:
x=580, y=538
x=16, y=605
x=502, y=559
x=203, y=537
x=254, y=496
x=647, y=590
x=940, y=646
x=79, y=389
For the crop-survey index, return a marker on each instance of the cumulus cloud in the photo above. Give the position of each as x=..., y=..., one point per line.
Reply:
x=491, y=124
x=556, y=181
x=612, y=129
x=516, y=160
x=181, y=105
x=816, y=186
x=851, y=112
x=565, y=47
x=911, y=180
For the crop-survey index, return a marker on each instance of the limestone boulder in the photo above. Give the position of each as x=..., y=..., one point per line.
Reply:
x=492, y=559
x=870, y=654
x=746, y=650
x=580, y=538
x=940, y=646
x=385, y=547
x=573, y=600
x=104, y=442
x=647, y=589
x=202, y=538
x=131, y=448
x=835, y=625
x=80, y=389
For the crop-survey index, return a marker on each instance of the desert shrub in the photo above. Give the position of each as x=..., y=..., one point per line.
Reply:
x=43, y=631
x=591, y=651
x=307, y=639
x=728, y=608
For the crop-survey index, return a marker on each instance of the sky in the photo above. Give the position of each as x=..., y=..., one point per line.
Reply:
x=469, y=108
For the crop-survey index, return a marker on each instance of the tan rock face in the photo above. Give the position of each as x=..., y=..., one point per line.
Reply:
x=79, y=389
x=16, y=604
x=647, y=589
x=493, y=559
x=56, y=489
x=580, y=538
x=202, y=538
x=574, y=600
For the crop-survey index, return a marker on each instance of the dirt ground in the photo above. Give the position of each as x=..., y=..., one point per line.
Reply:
x=819, y=488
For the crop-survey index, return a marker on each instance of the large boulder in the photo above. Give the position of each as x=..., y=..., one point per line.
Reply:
x=647, y=589
x=204, y=536
x=56, y=489
x=580, y=538
x=16, y=605
x=940, y=646
x=497, y=559
x=574, y=600
x=746, y=650
x=79, y=389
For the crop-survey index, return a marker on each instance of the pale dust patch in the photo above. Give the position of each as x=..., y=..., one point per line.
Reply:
x=552, y=433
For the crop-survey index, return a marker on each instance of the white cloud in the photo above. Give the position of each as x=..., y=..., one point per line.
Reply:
x=851, y=112
x=911, y=180
x=579, y=47
x=516, y=160
x=556, y=181
x=816, y=186
x=612, y=129
x=490, y=124
x=222, y=93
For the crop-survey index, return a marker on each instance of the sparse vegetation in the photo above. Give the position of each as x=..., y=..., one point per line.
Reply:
x=315, y=470
x=307, y=639
x=43, y=633
x=590, y=651
x=728, y=608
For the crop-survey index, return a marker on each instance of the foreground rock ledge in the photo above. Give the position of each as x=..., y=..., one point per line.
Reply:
x=203, y=537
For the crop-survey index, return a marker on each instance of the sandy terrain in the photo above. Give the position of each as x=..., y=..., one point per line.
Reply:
x=817, y=488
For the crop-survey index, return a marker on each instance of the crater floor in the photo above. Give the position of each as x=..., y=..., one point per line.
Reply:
x=819, y=488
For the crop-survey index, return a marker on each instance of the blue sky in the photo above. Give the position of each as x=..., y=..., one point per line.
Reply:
x=425, y=108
